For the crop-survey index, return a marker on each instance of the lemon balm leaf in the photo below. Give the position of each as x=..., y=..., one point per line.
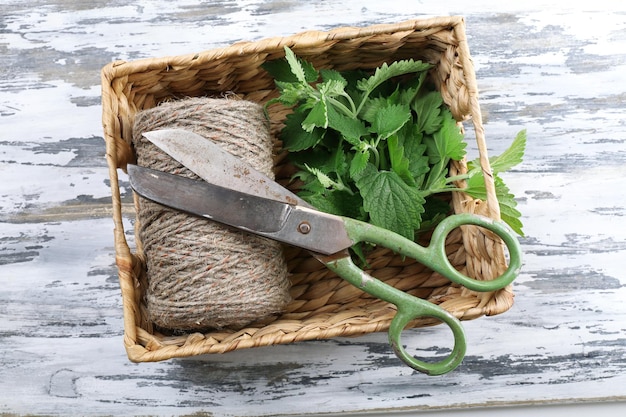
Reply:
x=390, y=202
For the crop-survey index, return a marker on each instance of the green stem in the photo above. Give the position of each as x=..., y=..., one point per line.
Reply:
x=457, y=178
x=376, y=156
x=428, y=192
x=351, y=102
x=364, y=98
x=434, y=174
x=342, y=107
x=343, y=186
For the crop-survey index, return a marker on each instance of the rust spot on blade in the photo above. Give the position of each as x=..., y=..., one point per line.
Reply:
x=241, y=171
x=291, y=200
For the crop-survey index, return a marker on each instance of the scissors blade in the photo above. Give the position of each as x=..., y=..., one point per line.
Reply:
x=217, y=166
x=299, y=226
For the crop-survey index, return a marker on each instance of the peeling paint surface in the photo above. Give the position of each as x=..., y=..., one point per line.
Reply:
x=558, y=71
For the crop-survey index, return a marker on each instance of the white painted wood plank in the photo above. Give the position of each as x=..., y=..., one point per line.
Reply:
x=557, y=71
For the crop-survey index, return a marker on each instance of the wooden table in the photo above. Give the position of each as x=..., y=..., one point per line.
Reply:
x=559, y=73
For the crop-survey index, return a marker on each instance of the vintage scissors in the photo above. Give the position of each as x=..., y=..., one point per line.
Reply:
x=233, y=193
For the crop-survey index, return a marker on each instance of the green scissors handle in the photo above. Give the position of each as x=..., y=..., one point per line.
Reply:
x=433, y=256
x=408, y=309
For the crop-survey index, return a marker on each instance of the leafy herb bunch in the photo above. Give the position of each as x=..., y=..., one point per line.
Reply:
x=376, y=147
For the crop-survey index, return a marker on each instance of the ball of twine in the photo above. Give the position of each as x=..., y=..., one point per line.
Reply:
x=201, y=274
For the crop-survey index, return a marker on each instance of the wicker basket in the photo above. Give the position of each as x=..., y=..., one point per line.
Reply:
x=324, y=306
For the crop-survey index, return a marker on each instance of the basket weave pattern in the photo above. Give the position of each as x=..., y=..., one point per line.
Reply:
x=324, y=306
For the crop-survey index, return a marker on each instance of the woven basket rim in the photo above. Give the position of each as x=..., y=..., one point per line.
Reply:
x=299, y=41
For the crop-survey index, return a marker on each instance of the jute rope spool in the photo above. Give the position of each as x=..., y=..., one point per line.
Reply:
x=200, y=274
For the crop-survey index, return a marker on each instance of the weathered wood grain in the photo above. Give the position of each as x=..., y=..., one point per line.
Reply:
x=556, y=71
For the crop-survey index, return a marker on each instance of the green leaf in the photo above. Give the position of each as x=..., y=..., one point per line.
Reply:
x=280, y=71
x=295, y=138
x=371, y=107
x=330, y=74
x=310, y=186
x=291, y=93
x=445, y=144
x=506, y=200
x=359, y=162
x=340, y=203
x=339, y=163
x=448, y=142
x=350, y=128
x=415, y=151
x=328, y=160
x=333, y=83
x=323, y=178
x=511, y=216
x=411, y=89
x=331, y=88
x=399, y=162
x=435, y=210
x=317, y=117
x=389, y=119
x=303, y=71
x=476, y=186
x=510, y=157
x=390, y=202
x=386, y=72
x=428, y=110
x=436, y=183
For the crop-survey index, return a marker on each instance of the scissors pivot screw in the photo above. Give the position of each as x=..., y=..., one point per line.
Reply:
x=304, y=228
